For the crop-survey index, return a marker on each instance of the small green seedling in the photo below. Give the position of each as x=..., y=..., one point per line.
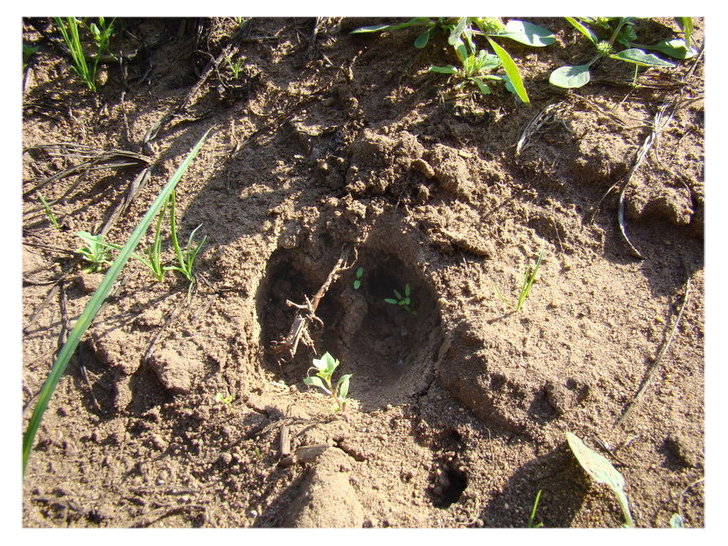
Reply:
x=358, y=274
x=101, y=32
x=528, y=280
x=325, y=367
x=224, y=399
x=601, y=471
x=532, y=518
x=96, y=252
x=403, y=301
x=185, y=256
x=235, y=67
x=49, y=212
x=69, y=31
x=622, y=31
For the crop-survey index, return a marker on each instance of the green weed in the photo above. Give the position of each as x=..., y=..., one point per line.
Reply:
x=49, y=212
x=528, y=280
x=477, y=64
x=601, y=471
x=403, y=301
x=96, y=252
x=224, y=399
x=532, y=518
x=185, y=256
x=325, y=367
x=101, y=32
x=358, y=274
x=235, y=67
x=95, y=303
x=622, y=31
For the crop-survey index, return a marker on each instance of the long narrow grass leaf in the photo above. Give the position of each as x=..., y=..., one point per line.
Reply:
x=94, y=304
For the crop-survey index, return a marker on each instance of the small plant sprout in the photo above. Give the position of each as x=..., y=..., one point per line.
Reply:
x=622, y=31
x=528, y=280
x=403, y=301
x=325, y=367
x=96, y=252
x=601, y=471
x=235, y=67
x=185, y=256
x=358, y=274
x=49, y=212
x=532, y=518
x=224, y=399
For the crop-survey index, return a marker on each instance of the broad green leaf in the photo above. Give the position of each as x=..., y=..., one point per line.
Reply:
x=407, y=289
x=359, y=272
x=570, y=77
x=398, y=294
x=640, y=58
x=342, y=386
x=96, y=301
x=461, y=51
x=391, y=300
x=676, y=48
x=511, y=71
x=527, y=33
x=357, y=284
x=422, y=39
x=601, y=471
x=326, y=363
x=444, y=69
x=315, y=381
x=591, y=36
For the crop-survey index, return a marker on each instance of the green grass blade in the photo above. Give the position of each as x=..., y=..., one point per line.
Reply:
x=593, y=38
x=514, y=76
x=94, y=304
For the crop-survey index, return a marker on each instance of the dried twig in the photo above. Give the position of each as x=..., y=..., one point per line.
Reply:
x=655, y=365
x=545, y=117
x=307, y=312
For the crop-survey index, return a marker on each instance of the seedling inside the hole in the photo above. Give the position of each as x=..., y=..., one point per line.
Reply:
x=325, y=367
x=528, y=280
x=403, y=301
x=357, y=281
x=96, y=252
x=532, y=518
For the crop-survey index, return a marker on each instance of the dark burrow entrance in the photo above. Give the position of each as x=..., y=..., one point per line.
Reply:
x=389, y=348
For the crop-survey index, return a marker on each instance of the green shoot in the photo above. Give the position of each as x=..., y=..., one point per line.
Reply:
x=224, y=399
x=622, y=31
x=235, y=67
x=601, y=471
x=49, y=212
x=357, y=281
x=95, y=303
x=403, y=301
x=325, y=367
x=101, y=33
x=96, y=252
x=69, y=31
x=154, y=252
x=528, y=280
x=532, y=518
x=185, y=256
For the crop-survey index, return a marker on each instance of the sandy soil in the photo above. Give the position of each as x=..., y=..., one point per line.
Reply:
x=331, y=145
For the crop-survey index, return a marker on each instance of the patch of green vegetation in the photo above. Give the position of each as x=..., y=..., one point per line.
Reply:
x=185, y=256
x=94, y=304
x=325, y=367
x=95, y=252
x=49, y=212
x=403, y=301
x=225, y=399
x=532, y=517
x=476, y=64
x=622, y=31
x=101, y=31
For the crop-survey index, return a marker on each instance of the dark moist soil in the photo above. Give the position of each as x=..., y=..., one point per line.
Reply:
x=329, y=143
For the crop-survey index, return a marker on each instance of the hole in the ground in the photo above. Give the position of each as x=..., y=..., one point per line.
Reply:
x=387, y=347
x=452, y=483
